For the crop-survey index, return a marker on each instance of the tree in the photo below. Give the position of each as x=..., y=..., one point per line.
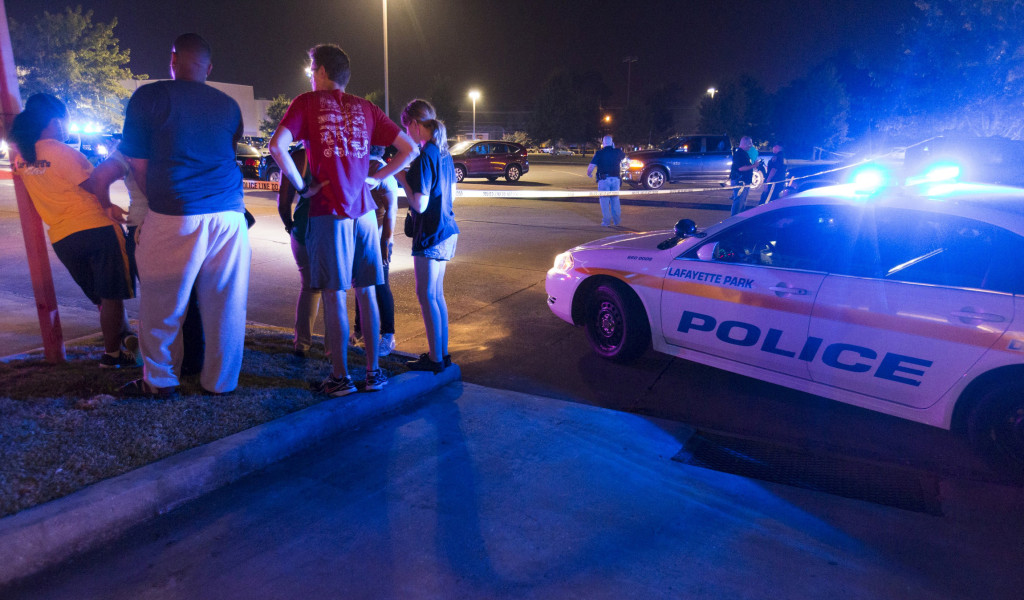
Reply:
x=519, y=137
x=812, y=111
x=651, y=119
x=962, y=70
x=568, y=107
x=741, y=107
x=275, y=112
x=69, y=56
x=376, y=97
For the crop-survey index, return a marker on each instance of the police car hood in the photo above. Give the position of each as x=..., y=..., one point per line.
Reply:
x=631, y=241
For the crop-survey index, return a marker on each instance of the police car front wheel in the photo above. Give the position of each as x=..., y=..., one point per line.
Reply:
x=616, y=323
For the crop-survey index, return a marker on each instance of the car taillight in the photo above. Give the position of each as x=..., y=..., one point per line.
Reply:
x=252, y=162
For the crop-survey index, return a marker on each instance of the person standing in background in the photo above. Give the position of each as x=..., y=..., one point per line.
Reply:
x=344, y=247
x=606, y=162
x=181, y=137
x=776, y=175
x=742, y=174
x=79, y=225
x=386, y=197
x=430, y=187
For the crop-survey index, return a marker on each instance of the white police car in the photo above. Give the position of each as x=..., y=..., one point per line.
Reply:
x=903, y=300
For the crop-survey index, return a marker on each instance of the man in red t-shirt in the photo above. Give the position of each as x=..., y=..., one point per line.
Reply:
x=344, y=249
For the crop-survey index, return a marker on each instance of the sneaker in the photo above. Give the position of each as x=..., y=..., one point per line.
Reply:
x=423, y=363
x=376, y=380
x=123, y=359
x=447, y=360
x=337, y=387
x=387, y=344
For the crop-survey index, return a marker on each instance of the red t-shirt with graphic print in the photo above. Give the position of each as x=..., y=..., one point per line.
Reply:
x=338, y=130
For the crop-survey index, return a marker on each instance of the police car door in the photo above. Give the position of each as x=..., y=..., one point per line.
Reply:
x=746, y=294
x=921, y=297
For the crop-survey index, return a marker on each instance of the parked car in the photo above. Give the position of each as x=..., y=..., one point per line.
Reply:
x=490, y=159
x=562, y=151
x=97, y=147
x=682, y=158
x=904, y=300
x=250, y=161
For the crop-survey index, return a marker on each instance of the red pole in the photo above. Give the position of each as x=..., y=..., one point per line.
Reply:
x=31, y=224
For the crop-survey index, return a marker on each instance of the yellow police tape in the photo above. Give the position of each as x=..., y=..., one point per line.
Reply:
x=273, y=186
x=262, y=186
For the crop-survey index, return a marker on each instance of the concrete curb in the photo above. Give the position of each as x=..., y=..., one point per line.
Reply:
x=45, y=535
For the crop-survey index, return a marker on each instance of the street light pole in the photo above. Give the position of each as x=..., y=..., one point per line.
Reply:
x=474, y=95
x=629, y=60
x=386, y=105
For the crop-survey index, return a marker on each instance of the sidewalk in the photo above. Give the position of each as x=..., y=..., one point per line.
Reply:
x=482, y=493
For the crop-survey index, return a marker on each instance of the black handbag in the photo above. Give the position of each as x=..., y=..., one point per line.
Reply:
x=410, y=229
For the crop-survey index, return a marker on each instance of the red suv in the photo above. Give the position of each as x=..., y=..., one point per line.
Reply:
x=491, y=159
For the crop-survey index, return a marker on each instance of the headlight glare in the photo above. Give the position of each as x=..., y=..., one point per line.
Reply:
x=563, y=262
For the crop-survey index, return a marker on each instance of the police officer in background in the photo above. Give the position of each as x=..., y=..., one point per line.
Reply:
x=776, y=176
x=606, y=162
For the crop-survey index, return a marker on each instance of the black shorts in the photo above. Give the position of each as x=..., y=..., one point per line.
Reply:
x=98, y=263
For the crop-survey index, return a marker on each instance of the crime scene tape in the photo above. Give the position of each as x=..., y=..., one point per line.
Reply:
x=273, y=186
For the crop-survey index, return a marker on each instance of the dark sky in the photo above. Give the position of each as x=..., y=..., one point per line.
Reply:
x=504, y=48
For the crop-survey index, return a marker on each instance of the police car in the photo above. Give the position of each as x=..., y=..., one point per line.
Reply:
x=901, y=300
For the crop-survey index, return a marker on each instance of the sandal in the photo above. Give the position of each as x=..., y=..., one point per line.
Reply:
x=140, y=389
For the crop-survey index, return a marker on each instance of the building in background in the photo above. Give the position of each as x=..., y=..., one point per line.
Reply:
x=253, y=110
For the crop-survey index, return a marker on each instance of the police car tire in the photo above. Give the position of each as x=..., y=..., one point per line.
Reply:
x=616, y=323
x=995, y=426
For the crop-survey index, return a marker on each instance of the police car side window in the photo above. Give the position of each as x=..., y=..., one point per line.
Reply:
x=796, y=238
x=945, y=250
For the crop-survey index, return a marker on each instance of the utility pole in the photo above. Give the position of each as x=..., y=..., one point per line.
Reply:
x=31, y=224
x=629, y=60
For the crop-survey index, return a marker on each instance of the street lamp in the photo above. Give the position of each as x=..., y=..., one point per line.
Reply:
x=386, y=106
x=474, y=95
x=711, y=92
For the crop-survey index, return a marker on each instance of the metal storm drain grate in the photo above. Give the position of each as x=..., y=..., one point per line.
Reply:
x=850, y=478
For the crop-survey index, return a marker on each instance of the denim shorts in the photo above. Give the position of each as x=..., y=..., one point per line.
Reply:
x=444, y=250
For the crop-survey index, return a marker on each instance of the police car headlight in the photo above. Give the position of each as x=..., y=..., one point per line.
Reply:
x=101, y=150
x=635, y=164
x=563, y=262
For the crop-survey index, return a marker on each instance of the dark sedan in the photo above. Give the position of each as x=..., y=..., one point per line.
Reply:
x=250, y=160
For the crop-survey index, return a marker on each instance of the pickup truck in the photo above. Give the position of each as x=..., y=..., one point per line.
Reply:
x=699, y=157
